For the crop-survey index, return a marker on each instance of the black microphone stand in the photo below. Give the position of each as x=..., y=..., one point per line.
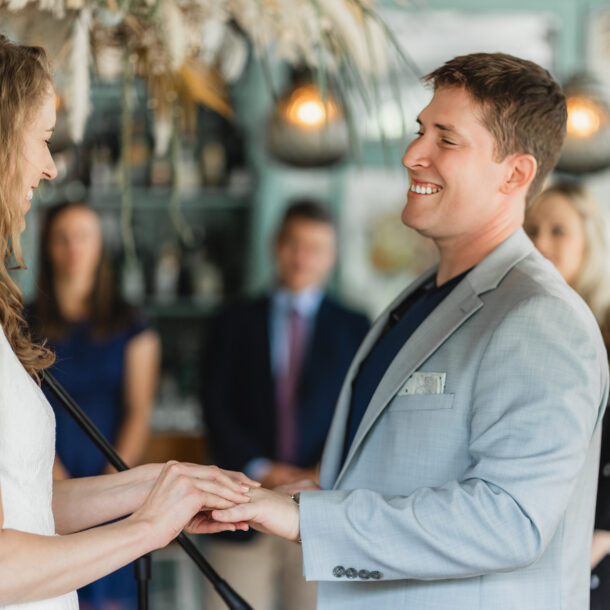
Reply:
x=142, y=564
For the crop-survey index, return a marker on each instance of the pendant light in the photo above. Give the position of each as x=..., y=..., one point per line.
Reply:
x=308, y=129
x=587, y=144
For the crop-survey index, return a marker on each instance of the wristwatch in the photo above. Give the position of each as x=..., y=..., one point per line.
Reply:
x=296, y=497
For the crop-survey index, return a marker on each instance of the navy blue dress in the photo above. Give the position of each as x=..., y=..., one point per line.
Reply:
x=92, y=371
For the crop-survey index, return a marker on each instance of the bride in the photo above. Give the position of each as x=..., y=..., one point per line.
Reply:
x=49, y=545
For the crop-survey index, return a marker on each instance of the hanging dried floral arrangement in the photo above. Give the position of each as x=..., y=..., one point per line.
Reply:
x=189, y=51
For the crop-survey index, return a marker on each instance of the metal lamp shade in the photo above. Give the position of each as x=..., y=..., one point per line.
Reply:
x=587, y=145
x=307, y=131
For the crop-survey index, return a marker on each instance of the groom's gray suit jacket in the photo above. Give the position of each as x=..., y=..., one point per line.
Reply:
x=478, y=495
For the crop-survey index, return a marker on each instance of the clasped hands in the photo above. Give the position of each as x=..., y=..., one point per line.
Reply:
x=206, y=500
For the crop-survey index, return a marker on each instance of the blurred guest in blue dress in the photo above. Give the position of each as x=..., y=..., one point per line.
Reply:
x=107, y=359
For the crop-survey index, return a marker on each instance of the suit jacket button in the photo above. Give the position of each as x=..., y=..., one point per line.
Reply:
x=364, y=574
x=351, y=572
x=376, y=575
x=338, y=571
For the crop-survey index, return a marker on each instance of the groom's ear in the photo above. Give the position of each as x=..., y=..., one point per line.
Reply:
x=520, y=172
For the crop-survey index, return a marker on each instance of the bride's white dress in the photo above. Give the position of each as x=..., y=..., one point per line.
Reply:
x=27, y=448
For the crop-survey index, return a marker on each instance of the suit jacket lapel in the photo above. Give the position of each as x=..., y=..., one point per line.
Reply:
x=333, y=449
x=459, y=305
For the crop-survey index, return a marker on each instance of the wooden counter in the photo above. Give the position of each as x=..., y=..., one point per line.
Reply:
x=165, y=446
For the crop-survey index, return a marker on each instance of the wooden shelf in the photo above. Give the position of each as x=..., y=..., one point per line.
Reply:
x=146, y=198
x=165, y=446
x=180, y=308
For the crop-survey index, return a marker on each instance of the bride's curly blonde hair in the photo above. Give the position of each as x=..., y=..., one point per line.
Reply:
x=25, y=79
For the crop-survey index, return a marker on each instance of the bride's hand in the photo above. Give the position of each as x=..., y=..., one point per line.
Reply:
x=182, y=493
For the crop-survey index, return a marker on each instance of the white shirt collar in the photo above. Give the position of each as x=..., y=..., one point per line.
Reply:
x=306, y=302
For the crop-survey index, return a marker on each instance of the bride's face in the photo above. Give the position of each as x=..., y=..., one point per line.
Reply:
x=37, y=163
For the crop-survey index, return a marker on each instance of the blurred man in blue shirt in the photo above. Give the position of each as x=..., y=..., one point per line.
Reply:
x=272, y=374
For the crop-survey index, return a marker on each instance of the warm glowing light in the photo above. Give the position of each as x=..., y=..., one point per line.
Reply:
x=585, y=117
x=312, y=113
x=306, y=108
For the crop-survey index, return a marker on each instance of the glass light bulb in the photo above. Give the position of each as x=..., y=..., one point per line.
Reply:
x=311, y=113
x=585, y=117
x=305, y=108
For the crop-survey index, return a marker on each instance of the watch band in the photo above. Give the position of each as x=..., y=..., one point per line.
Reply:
x=296, y=497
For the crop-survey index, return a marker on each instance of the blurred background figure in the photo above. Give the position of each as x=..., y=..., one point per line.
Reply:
x=107, y=359
x=272, y=373
x=569, y=227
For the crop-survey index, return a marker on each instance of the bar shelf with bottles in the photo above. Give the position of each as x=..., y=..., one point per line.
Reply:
x=145, y=198
x=173, y=276
x=181, y=283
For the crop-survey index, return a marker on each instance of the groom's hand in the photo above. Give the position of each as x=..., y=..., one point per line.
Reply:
x=268, y=511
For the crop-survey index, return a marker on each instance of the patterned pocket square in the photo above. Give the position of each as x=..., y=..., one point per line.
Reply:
x=424, y=383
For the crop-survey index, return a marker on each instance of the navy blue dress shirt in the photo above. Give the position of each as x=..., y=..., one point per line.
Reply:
x=403, y=322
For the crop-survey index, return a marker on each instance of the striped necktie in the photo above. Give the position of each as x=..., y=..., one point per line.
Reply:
x=286, y=390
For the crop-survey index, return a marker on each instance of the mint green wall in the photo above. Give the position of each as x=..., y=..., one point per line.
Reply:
x=276, y=183
x=571, y=14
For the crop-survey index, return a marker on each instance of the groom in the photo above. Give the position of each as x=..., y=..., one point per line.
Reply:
x=461, y=465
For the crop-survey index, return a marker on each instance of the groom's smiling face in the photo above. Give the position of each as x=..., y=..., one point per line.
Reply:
x=454, y=177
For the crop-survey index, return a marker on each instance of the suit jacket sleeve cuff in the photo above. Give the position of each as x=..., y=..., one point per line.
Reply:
x=329, y=551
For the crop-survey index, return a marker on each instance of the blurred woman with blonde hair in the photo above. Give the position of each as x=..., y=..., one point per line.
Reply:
x=38, y=568
x=569, y=227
